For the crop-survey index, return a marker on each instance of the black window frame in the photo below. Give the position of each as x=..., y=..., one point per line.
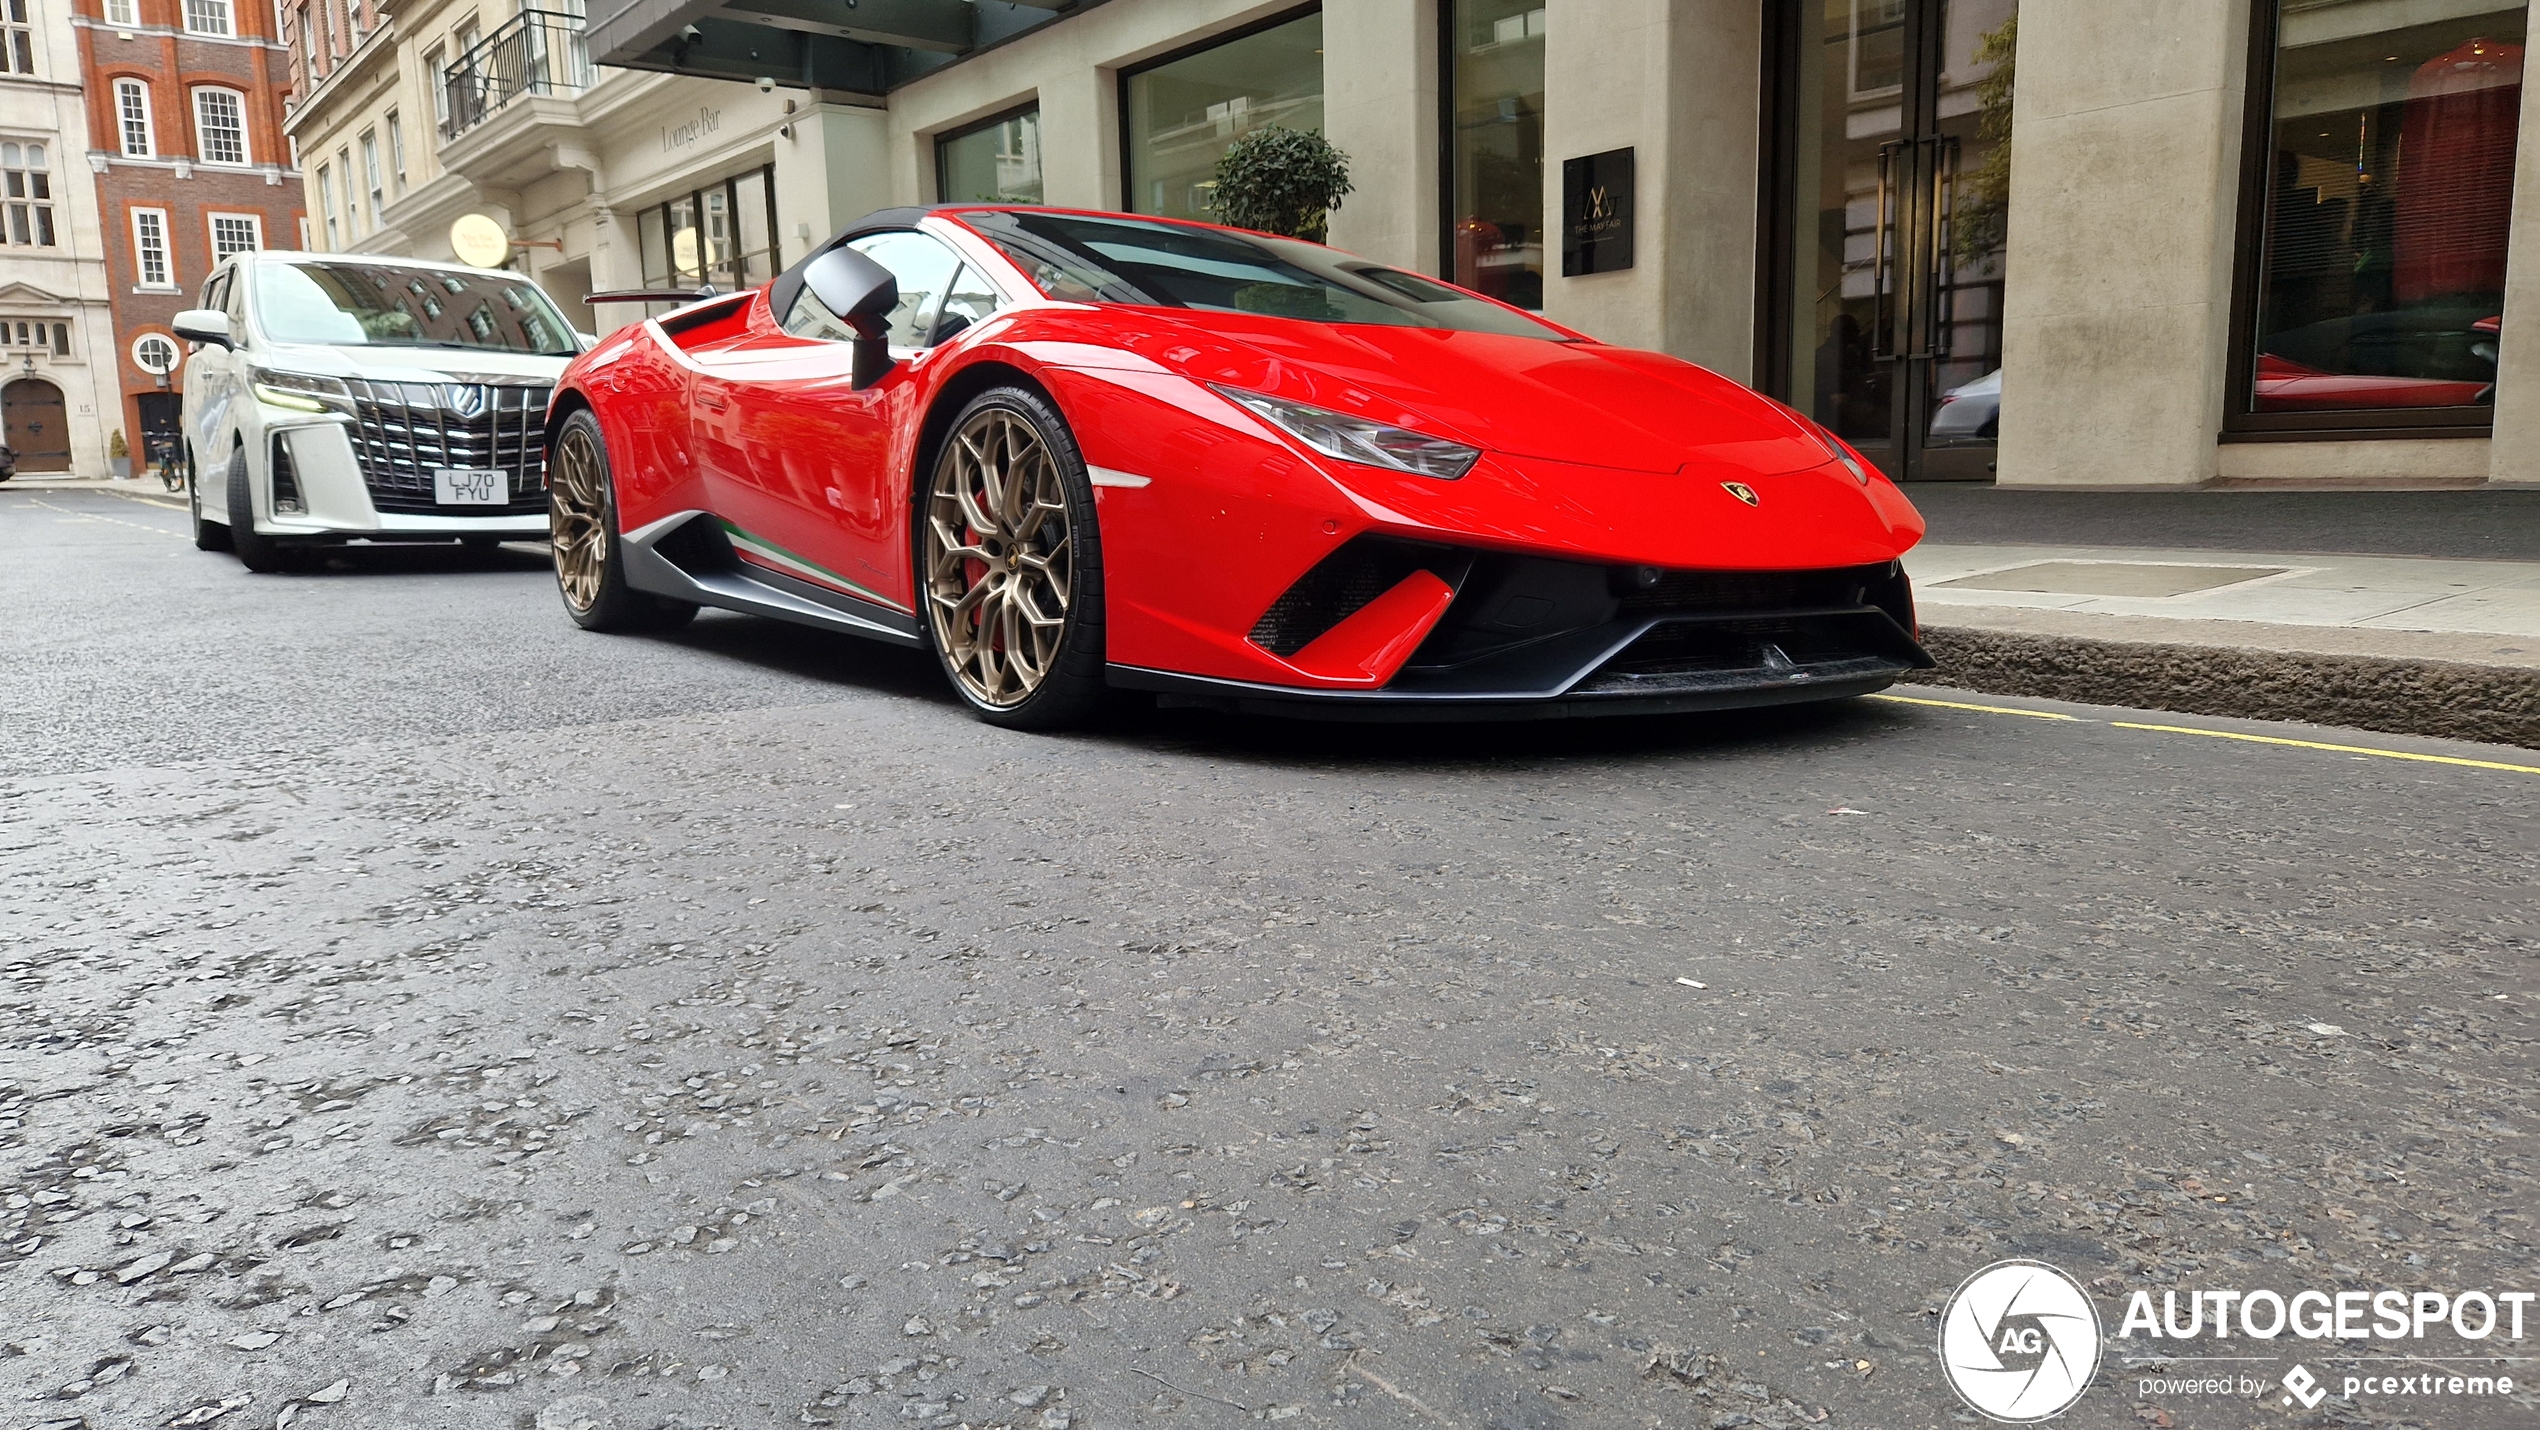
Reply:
x=2242, y=422
x=730, y=186
x=1003, y=116
x=1120, y=89
x=1446, y=40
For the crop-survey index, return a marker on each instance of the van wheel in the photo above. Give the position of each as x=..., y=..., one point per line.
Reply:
x=256, y=551
x=208, y=535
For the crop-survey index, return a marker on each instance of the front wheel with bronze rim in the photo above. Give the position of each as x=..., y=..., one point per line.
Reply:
x=1010, y=564
x=582, y=532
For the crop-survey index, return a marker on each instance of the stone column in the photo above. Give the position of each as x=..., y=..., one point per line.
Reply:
x=835, y=170
x=2125, y=169
x=2513, y=458
x=1678, y=83
x=1080, y=136
x=1380, y=107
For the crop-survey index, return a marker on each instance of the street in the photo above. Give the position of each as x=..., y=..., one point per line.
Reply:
x=423, y=1013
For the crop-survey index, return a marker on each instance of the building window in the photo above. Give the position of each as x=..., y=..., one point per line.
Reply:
x=371, y=175
x=150, y=248
x=2378, y=188
x=1492, y=104
x=236, y=233
x=26, y=186
x=155, y=355
x=997, y=161
x=209, y=17
x=397, y=151
x=220, y=126
x=123, y=14
x=724, y=234
x=132, y=118
x=18, y=54
x=434, y=60
x=352, y=195
x=1183, y=111
x=326, y=206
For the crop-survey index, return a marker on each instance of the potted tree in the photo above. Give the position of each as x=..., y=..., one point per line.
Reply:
x=118, y=455
x=1280, y=180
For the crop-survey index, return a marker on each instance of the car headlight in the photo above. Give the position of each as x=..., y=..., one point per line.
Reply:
x=1355, y=439
x=1841, y=453
x=299, y=391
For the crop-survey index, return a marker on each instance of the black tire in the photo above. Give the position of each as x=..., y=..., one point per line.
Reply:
x=1070, y=688
x=590, y=562
x=255, y=550
x=208, y=535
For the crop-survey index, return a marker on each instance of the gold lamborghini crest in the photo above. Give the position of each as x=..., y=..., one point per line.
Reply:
x=1742, y=492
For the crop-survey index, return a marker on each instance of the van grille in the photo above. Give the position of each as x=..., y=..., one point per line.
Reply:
x=404, y=431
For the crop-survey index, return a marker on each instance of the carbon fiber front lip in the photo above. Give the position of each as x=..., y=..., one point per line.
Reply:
x=1732, y=693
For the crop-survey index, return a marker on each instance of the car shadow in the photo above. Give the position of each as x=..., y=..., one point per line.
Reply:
x=414, y=559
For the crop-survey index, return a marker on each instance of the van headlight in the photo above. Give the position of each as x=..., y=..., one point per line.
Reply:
x=299, y=391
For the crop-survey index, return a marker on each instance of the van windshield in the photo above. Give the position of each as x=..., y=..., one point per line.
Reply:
x=352, y=303
x=1086, y=258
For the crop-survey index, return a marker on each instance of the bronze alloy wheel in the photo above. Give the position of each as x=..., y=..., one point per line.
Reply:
x=577, y=518
x=1000, y=564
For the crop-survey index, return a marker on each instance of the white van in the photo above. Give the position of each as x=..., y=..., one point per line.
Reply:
x=343, y=396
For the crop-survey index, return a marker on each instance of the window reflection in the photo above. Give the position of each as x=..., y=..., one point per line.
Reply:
x=1184, y=113
x=1495, y=87
x=2389, y=181
x=998, y=162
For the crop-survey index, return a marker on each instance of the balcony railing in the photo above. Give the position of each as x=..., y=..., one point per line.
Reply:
x=534, y=52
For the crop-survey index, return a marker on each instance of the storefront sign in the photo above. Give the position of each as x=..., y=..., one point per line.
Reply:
x=680, y=136
x=1596, y=213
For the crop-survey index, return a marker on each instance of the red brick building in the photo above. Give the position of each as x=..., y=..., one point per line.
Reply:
x=185, y=125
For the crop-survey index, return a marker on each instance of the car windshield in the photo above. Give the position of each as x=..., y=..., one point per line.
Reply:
x=351, y=303
x=1092, y=259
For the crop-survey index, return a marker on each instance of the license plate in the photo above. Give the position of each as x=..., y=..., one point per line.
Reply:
x=458, y=486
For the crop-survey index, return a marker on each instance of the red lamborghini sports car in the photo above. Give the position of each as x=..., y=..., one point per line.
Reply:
x=1074, y=452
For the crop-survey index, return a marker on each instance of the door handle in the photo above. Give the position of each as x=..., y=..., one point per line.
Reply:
x=1944, y=221
x=1882, y=334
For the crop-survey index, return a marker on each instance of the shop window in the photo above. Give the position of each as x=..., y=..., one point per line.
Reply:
x=132, y=119
x=1181, y=113
x=220, y=126
x=26, y=187
x=998, y=161
x=723, y=233
x=1493, y=103
x=2378, y=190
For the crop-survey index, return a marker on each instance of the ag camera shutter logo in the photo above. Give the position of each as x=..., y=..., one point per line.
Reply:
x=2019, y=1341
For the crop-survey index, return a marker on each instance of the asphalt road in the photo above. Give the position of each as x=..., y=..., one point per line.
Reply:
x=420, y=1013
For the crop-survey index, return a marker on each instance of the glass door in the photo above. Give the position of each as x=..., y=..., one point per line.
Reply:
x=1885, y=220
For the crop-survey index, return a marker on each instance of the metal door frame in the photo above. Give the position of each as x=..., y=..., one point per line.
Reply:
x=1911, y=249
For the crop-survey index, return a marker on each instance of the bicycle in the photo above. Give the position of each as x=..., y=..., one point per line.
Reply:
x=163, y=456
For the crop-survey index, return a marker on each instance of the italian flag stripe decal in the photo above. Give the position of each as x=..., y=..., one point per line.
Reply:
x=768, y=553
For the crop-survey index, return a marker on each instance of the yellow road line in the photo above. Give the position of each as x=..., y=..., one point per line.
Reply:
x=1987, y=709
x=2339, y=749
x=152, y=501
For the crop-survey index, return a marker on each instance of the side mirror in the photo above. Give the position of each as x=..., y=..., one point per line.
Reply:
x=204, y=325
x=862, y=293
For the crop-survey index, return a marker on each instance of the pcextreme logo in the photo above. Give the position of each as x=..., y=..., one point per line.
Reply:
x=2019, y=1341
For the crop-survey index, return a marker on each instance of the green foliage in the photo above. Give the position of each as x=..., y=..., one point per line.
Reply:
x=1983, y=210
x=115, y=445
x=1280, y=180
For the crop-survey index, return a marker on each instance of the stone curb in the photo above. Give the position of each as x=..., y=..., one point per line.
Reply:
x=2452, y=700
